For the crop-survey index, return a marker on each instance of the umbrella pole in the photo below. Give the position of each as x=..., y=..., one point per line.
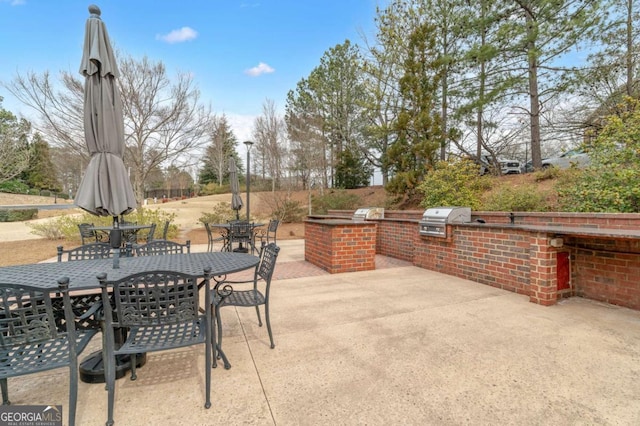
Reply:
x=115, y=238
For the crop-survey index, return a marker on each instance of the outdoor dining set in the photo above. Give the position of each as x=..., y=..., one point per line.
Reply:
x=141, y=292
x=161, y=296
x=240, y=235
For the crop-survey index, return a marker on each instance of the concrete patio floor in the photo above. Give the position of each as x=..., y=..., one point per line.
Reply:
x=398, y=345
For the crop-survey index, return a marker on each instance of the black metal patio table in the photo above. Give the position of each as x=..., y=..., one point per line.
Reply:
x=227, y=246
x=83, y=278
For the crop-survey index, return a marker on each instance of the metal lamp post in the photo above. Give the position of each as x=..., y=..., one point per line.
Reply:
x=249, y=144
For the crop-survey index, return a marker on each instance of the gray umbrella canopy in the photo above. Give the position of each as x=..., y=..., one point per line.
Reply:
x=105, y=189
x=236, y=200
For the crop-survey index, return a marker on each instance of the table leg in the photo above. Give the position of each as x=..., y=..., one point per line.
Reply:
x=92, y=367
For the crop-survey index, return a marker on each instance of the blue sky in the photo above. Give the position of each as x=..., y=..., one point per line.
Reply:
x=240, y=52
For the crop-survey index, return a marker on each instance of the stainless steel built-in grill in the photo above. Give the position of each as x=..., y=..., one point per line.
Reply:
x=368, y=213
x=434, y=220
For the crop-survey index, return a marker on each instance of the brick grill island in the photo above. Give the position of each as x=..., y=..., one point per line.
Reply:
x=546, y=256
x=340, y=245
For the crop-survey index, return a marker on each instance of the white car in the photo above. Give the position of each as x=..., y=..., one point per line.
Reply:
x=507, y=167
x=574, y=157
x=510, y=167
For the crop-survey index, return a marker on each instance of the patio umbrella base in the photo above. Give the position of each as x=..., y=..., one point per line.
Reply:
x=241, y=250
x=92, y=367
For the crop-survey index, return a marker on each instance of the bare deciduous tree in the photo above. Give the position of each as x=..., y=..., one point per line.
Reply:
x=269, y=133
x=164, y=120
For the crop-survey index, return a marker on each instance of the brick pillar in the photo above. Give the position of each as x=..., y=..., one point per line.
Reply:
x=543, y=285
x=340, y=245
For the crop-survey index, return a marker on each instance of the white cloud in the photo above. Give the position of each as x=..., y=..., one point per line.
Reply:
x=242, y=126
x=262, y=68
x=178, y=36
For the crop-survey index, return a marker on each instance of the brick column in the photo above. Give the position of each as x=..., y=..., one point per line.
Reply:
x=543, y=284
x=340, y=245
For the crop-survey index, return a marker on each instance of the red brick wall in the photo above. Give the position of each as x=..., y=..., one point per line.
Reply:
x=490, y=256
x=602, y=268
x=341, y=246
x=606, y=269
x=397, y=239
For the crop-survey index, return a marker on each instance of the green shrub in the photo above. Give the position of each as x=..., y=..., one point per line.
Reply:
x=612, y=182
x=453, y=183
x=214, y=189
x=62, y=227
x=14, y=187
x=614, y=190
x=525, y=198
x=221, y=213
x=336, y=199
x=17, y=215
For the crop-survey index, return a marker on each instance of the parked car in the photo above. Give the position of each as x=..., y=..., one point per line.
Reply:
x=528, y=167
x=573, y=157
x=564, y=161
x=507, y=167
x=510, y=167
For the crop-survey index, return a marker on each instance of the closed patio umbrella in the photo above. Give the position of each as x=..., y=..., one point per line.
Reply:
x=105, y=189
x=236, y=200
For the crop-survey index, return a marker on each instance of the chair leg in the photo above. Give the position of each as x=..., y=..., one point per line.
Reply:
x=5, y=392
x=109, y=363
x=213, y=338
x=110, y=372
x=207, y=364
x=258, y=313
x=266, y=318
x=222, y=356
x=220, y=353
x=133, y=361
x=73, y=393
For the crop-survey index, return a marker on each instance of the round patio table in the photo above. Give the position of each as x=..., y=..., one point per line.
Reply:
x=83, y=279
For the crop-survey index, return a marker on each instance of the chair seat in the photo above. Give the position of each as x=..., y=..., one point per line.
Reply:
x=30, y=358
x=155, y=338
x=241, y=298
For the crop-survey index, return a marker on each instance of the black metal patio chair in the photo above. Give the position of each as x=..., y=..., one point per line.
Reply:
x=30, y=341
x=256, y=295
x=165, y=229
x=213, y=239
x=88, y=235
x=86, y=306
x=240, y=234
x=85, y=252
x=161, y=311
x=160, y=247
x=269, y=235
x=150, y=235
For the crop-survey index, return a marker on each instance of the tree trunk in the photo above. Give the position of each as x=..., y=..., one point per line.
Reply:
x=534, y=98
